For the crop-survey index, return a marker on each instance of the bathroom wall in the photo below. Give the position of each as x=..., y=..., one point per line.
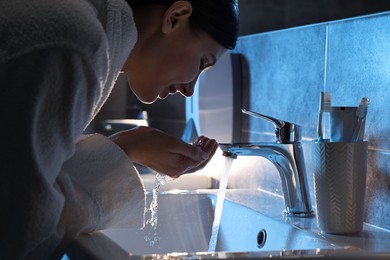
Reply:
x=284, y=72
x=269, y=15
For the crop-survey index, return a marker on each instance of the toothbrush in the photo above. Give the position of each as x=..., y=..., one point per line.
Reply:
x=361, y=113
x=325, y=105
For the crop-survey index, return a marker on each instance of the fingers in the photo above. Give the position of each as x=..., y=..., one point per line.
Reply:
x=186, y=162
x=207, y=145
x=193, y=152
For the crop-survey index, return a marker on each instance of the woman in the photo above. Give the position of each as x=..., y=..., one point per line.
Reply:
x=58, y=63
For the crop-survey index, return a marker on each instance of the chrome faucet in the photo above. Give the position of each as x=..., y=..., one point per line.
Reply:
x=287, y=155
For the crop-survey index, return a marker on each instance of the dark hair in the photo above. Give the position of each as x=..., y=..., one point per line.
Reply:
x=218, y=18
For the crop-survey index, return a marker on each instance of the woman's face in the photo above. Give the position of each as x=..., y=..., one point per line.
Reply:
x=171, y=63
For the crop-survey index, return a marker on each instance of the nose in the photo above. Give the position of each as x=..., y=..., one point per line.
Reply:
x=187, y=90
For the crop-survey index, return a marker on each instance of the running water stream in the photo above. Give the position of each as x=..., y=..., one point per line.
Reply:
x=154, y=238
x=219, y=205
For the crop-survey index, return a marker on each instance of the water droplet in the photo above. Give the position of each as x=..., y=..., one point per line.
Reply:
x=159, y=181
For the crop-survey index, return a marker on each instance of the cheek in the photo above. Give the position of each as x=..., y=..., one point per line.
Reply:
x=186, y=71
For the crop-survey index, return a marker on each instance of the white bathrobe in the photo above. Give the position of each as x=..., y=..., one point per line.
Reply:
x=58, y=62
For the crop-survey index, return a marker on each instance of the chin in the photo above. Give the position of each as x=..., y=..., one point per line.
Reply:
x=146, y=99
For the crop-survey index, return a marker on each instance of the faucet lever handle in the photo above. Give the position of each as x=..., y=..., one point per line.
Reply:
x=285, y=132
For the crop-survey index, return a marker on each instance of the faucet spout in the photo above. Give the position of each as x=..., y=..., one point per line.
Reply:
x=288, y=159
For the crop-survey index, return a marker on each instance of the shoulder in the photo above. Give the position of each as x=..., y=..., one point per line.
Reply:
x=26, y=25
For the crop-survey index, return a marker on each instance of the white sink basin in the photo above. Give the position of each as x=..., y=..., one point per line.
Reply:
x=184, y=227
x=185, y=223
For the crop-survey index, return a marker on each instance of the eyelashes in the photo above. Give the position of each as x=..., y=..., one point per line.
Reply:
x=205, y=65
x=202, y=65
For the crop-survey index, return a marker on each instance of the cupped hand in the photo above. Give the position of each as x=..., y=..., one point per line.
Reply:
x=207, y=145
x=164, y=153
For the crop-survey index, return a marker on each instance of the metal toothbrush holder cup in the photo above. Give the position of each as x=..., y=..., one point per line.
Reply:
x=340, y=170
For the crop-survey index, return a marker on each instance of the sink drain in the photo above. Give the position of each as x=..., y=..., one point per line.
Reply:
x=261, y=238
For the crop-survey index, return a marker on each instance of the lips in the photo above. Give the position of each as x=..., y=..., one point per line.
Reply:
x=163, y=96
x=170, y=90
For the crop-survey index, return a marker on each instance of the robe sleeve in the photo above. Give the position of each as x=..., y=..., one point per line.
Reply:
x=53, y=187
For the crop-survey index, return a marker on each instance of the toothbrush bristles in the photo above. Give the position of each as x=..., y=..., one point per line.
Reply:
x=325, y=106
x=363, y=107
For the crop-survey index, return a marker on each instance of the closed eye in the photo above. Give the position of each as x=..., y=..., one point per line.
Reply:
x=207, y=63
x=203, y=65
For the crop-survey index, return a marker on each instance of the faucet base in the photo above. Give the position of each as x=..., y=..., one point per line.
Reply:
x=308, y=214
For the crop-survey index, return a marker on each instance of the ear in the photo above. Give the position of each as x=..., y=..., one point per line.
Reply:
x=176, y=15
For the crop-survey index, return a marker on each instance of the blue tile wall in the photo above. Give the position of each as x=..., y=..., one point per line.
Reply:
x=287, y=69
